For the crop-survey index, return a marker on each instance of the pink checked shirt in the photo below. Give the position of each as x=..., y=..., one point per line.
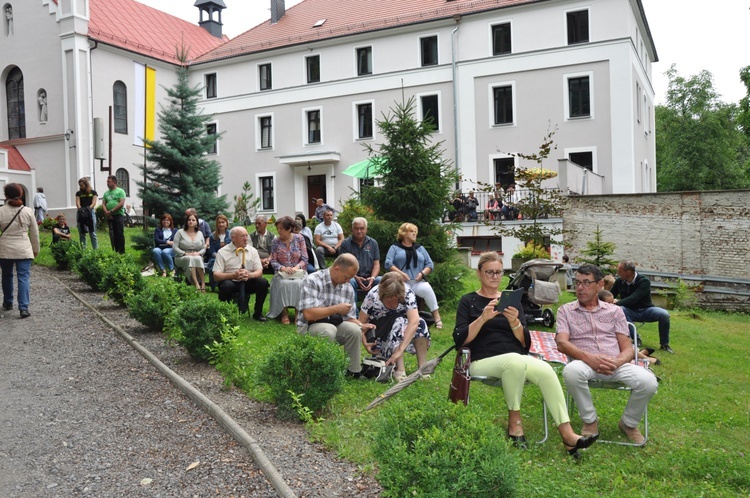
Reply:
x=594, y=331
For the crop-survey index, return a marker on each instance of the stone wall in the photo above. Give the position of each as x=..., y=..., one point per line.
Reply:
x=702, y=234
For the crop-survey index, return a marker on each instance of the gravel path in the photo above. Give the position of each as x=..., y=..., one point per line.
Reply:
x=85, y=414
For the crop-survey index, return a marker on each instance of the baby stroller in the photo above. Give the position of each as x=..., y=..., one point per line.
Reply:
x=538, y=278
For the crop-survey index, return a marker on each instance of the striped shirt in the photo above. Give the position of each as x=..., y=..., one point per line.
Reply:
x=594, y=331
x=318, y=291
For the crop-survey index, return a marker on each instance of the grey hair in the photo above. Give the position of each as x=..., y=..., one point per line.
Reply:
x=234, y=230
x=627, y=265
x=359, y=219
x=261, y=217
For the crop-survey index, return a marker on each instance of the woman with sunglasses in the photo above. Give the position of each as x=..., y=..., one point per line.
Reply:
x=499, y=344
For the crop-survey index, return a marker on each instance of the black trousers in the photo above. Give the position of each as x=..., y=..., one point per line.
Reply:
x=117, y=233
x=258, y=286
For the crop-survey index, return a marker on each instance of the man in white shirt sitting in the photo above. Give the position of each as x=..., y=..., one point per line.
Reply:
x=328, y=238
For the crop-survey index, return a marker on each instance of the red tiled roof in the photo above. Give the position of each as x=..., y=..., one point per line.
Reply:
x=15, y=159
x=142, y=29
x=347, y=17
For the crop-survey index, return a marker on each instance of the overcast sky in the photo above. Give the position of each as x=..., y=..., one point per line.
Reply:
x=714, y=36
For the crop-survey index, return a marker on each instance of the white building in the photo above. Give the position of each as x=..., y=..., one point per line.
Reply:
x=297, y=96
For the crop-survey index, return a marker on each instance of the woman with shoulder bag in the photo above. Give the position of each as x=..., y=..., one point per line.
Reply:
x=499, y=342
x=19, y=245
x=392, y=308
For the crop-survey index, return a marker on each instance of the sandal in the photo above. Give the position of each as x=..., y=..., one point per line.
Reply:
x=439, y=324
x=399, y=375
x=285, y=318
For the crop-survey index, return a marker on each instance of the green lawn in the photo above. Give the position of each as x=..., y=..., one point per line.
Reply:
x=699, y=420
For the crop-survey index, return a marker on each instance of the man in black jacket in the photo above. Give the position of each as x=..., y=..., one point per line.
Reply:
x=634, y=295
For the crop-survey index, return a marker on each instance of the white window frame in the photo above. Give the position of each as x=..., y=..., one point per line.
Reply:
x=566, y=98
x=320, y=69
x=216, y=123
x=305, y=131
x=565, y=25
x=491, y=95
x=594, y=162
x=420, y=113
x=259, y=191
x=356, y=61
x=355, y=120
x=205, y=84
x=437, y=49
x=492, y=42
x=257, y=73
x=638, y=106
x=259, y=132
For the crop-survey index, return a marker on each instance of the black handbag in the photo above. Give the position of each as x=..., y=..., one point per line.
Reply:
x=459, y=389
x=335, y=319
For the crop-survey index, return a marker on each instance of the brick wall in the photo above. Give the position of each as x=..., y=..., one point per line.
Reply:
x=687, y=233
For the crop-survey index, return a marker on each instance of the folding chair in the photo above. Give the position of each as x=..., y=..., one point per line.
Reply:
x=619, y=386
x=542, y=347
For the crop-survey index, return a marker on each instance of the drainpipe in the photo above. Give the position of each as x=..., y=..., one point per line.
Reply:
x=456, y=18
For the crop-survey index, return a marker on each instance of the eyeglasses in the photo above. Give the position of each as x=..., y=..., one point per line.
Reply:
x=584, y=283
x=495, y=273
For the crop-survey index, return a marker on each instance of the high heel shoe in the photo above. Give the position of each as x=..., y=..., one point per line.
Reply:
x=581, y=444
x=519, y=441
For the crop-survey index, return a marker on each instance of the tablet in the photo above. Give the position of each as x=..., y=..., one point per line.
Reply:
x=510, y=298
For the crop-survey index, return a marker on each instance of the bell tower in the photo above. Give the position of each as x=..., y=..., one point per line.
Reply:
x=213, y=22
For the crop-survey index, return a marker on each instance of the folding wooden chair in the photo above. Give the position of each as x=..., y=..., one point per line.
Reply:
x=619, y=386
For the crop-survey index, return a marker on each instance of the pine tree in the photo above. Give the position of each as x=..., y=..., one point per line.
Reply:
x=179, y=175
x=598, y=253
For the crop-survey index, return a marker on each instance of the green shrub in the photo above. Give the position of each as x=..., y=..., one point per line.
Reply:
x=441, y=449
x=100, y=218
x=157, y=299
x=305, y=365
x=230, y=358
x=447, y=280
x=48, y=223
x=353, y=208
x=91, y=267
x=66, y=254
x=531, y=251
x=197, y=324
x=122, y=278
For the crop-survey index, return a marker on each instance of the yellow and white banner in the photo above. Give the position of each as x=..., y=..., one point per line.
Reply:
x=145, y=104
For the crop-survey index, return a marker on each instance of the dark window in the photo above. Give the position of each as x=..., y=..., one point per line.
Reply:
x=313, y=68
x=120, y=99
x=430, y=110
x=429, y=47
x=266, y=193
x=501, y=39
x=211, y=86
x=583, y=159
x=505, y=169
x=364, y=121
x=211, y=130
x=364, y=61
x=579, y=98
x=503, y=96
x=16, y=106
x=264, y=72
x=313, y=127
x=578, y=27
x=265, y=132
x=123, y=180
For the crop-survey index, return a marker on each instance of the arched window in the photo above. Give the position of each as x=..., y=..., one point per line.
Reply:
x=123, y=180
x=16, y=107
x=120, y=104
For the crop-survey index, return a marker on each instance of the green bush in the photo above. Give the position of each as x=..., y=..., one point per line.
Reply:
x=157, y=299
x=66, y=254
x=92, y=265
x=353, y=208
x=305, y=365
x=197, y=324
x=447, y=280
x=122, y=278
x=48, y=223
x=441, y=449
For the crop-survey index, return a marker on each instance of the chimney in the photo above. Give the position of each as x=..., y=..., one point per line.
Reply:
x=213, y=23
x=277, y=10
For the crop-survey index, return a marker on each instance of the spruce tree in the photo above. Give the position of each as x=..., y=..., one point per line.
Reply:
x=179, y=175
x=598, y=252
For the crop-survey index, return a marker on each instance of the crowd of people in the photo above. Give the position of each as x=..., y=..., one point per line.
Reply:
x=501, y=205
x=322, y=300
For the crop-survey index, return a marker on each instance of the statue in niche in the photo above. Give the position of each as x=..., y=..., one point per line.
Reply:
x=42, y=106
x=9, y=19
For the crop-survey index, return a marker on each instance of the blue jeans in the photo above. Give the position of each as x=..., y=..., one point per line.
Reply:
x=163, y=258
x=92, y=232
x=653, y=314
x=23, y=274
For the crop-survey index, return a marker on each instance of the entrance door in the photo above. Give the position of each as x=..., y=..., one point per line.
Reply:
x=316, y=187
